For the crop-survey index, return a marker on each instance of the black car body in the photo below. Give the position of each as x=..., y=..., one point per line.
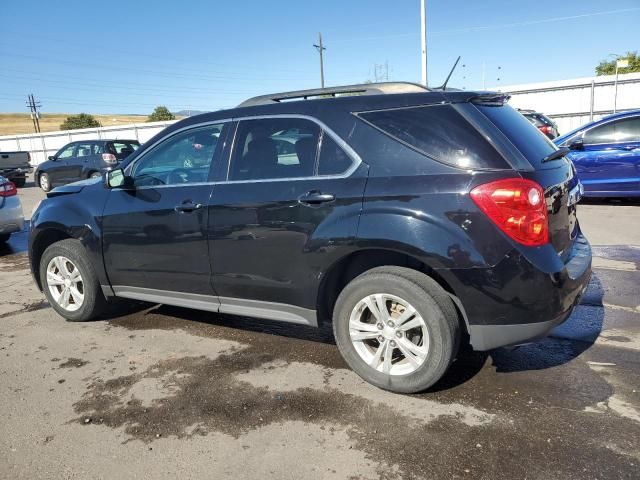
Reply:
x=418, y=183
x=82, y=159
x=542, y=123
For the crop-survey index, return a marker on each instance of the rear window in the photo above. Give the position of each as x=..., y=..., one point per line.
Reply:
x=524, y=135
x=439, y=132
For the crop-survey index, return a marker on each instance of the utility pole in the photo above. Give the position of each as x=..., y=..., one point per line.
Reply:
x=423, y=39
x=33, y=108
x=321, y=50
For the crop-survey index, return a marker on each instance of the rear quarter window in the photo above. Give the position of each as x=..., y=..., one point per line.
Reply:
x=439, y=132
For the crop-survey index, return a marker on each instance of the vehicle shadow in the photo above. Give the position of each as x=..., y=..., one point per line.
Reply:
x=18, y=242
x=564, y=344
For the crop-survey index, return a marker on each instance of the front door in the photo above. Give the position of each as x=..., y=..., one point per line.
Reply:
x=291, y=201
x=155, y=234
x=610, y=161
x=60, y=170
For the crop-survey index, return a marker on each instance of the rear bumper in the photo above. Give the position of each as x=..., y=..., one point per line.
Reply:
x=16, y=172
x=11, y=217
x=515, y=302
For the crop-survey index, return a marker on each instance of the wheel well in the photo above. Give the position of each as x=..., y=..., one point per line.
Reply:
x=348, y=268
x=40, y=244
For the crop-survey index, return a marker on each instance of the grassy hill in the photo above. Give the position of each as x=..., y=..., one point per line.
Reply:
x=15, y=123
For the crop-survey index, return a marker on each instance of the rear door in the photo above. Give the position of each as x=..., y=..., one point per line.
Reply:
x=610, y=161
x=291, y=199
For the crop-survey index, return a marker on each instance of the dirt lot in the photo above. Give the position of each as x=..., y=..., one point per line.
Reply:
x=162, y=392
x=17, y=123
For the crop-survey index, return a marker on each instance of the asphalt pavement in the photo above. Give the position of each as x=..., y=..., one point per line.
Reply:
x=164, y=392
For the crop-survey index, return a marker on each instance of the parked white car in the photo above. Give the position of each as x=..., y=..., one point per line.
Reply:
x=11, y=217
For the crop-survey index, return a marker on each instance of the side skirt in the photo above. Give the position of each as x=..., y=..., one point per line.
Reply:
x=234, y=306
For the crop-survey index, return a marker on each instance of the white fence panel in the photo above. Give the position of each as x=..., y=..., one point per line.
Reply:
x=572, y=103
x=41, y=145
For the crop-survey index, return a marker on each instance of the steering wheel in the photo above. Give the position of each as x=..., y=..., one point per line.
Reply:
x=179, y=175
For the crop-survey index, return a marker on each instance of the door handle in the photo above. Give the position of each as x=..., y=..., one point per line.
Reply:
x=188, y=206
x=316, y=197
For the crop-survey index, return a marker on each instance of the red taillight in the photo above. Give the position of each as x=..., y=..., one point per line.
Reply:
x=109, y=158
x=546, y=129
x=8, y=189
x=517, y=206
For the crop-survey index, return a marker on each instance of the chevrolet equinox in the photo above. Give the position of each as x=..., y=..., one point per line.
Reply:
x=410, y=219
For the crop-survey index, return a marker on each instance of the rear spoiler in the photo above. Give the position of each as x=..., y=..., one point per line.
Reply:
x=491, y=99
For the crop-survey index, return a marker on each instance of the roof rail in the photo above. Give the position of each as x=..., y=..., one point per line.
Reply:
x=360, y=89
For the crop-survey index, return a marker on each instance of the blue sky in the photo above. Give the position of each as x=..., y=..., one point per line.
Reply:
x=123, y=56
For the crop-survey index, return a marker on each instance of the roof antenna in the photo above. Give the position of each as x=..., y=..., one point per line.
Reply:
x=444, y=85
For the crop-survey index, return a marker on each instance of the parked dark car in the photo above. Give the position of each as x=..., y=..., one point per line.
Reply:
x=606, y=154
x=83, y=159
x=411, y=221
x=541, y=122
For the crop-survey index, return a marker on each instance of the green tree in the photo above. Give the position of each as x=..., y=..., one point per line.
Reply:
x=608, y=67
x=160, y=114
x=82, y=120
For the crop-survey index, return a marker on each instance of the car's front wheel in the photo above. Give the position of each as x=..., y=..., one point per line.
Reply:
x=69, y=281
x=396, y=328
x=45, y=183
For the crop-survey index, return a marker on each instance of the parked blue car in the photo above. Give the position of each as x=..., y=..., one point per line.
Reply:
x=606, y=154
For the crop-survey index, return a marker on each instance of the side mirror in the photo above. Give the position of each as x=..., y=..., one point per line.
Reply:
x=116, y=178
x=52, y=158
x=577, y=144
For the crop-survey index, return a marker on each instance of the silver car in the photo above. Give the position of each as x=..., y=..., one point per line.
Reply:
x=11, y=217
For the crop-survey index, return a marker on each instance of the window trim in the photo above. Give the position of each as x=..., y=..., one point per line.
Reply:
x=350, y=152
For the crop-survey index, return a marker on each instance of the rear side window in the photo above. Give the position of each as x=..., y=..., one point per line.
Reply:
x=525, y=136
x=440, y=132
x=274, y=148
x=333, y=159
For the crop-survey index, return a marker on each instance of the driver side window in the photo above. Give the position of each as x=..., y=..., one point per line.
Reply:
x=180, y=159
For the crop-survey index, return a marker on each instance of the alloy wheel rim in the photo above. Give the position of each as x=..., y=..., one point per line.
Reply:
x=44, y=182
x=65, y=283
x=389, y=334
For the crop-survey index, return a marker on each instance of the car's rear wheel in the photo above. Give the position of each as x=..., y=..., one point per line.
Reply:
x=396, y=328
x=70, y=282
x=43, y=181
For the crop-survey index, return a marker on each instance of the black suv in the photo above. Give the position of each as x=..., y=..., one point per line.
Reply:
x=84, y=159
x=410, y=219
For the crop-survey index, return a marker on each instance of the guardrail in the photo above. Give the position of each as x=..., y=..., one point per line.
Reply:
x=41, y=145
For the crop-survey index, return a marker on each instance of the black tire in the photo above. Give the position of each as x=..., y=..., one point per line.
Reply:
x=20, y=182
x=4, y=237
x=94, y=302
x=433, y=304
x=47, y=186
